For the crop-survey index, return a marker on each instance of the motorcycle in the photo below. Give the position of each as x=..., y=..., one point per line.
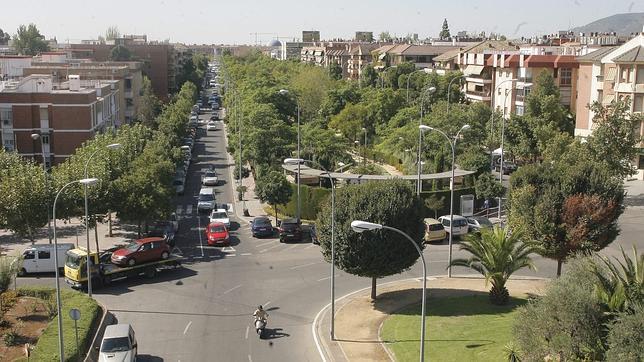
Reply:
x=260, y=326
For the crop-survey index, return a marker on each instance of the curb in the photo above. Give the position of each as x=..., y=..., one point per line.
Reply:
x=91, y=355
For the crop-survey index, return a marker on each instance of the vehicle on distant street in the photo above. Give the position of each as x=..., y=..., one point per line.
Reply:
x=210, y=178
x=508, y=167
x=460, y=226
x=220, y=215
x=211, y=126
x=206, y=199
x=217, y=234
x=165, y=230
x=179, y=186
x=261, y=226
x=118, y=344
x=141, y=251
x=290, y=230
x=214, y=117
x=434, y=230
x=40, y=258
x=476, y=223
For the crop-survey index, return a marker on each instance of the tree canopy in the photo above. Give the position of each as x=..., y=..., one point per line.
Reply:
x=29, y=41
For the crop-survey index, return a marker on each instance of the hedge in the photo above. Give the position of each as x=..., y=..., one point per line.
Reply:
x=46, y=348
x=311, y=198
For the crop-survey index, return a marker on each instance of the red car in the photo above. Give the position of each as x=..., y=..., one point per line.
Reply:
x=217, y=234
x=142, y=251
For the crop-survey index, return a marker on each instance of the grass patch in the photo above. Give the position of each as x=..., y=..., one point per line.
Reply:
x=47, y=347
x=466, y=328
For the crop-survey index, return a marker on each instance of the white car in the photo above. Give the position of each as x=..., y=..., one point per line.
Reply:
x=194, y=120
x=206, y=199
x=119, y=344
x=210, y=178
x=179, y=187
x=220, y=215
x=460, y=226
x=211, y=126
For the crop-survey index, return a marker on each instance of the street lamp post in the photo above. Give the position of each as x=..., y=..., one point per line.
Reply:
x=505, y=99
x=361, y=226
x=452, y=144
x=449, y=90
x=61, y=350
x=285, y=92
x=112, y=146
x=364, y=156
x=290, y=161
x=36, y=136
x=419, y=185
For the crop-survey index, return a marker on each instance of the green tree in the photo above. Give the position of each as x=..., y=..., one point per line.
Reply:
x=4, y=37
x=29, y=41
x=620, y=285
x=112, y=33
x=311, y=85
x=374, y=254
x=626, y=337
x=487, y=187
x=120, y=53
x=335, y=71
x=384, y=37
x=350, y=121
x=369, y=76
x=274, y=189
x=435, y=203
x=149, y=105
x=615, y=136
x=444, y=34
x=496, y=254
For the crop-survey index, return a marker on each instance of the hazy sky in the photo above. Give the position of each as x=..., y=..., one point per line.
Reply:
x=216, y=21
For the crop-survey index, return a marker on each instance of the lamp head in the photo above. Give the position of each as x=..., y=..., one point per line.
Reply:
x=424, y=128
x=35, y=136
x=293, y=161
x=283, y=91
x=360, y=226
x=467, y=126
x=341, y=164
x=431, y=90
x=88, y=181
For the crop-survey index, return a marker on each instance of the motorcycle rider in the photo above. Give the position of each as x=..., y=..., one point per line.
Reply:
x=260, y=314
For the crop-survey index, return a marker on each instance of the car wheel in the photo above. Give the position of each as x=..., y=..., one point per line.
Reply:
x=22, y=272
x=131, y=262
x=165, y=255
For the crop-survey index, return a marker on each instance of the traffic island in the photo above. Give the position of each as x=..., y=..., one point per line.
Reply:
x=367, y=330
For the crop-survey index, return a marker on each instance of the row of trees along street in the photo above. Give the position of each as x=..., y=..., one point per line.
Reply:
x=565, y=198
x=135, y=181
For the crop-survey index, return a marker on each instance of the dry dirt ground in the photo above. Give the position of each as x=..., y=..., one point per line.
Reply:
x=27, y=318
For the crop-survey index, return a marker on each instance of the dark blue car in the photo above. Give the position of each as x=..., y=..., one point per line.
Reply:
x=261, y=226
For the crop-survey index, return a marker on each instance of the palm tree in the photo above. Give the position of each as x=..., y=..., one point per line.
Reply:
x=620, y=286
x=496, y=254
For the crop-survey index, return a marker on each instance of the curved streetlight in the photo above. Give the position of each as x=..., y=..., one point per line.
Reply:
x=430, y=90
x=362, y=226
x=112, y=146
x=299, y=161
x=452, y=143
x=85, y=182
x=287, y=92
x=449, y=89
x=36, y=136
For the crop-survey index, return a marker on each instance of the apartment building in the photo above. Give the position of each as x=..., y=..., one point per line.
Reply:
x=608, y=74
x=422, y=56
x=128, y=75
x=11, y=66
x=359, y=57
x=64, y=114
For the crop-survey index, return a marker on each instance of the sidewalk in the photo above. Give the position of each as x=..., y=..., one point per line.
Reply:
x=358, y=320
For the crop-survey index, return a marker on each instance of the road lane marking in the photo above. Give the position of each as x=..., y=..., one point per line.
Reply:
x=265, y=244
x=267, y=303
x=247, y=329
x=231, y=289
x=186, y=330
x=228, y=249
x=189, y=209
x=309, y=247
x=304, y=266
x=246, y=254
x=323, y=279
x=199, y=232
x=250, y=359
x=272, y=247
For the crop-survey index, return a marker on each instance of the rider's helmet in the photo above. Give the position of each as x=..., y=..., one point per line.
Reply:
x=260, y=307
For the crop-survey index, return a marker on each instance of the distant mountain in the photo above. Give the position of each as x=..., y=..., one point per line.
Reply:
x=620, y=23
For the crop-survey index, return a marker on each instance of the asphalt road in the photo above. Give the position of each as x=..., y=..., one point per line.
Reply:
x=202, y=312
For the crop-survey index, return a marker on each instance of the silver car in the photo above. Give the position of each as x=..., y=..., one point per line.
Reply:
x=119, y=344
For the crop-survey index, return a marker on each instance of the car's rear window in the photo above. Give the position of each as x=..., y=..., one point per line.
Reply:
x=460, y=222
x=210, y=174
x=217, y=229
x=118, y=344
x=435, y=227
x=219, y=215
x=206, y=197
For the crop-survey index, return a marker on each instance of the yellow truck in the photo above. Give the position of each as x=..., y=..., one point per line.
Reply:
x=104, y=272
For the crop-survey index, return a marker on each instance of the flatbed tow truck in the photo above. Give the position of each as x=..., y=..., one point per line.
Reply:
x=104, y=272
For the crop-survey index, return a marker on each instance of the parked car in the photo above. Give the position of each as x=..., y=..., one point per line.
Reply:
x=434, y=230
x=209, y=178
x=214, y=117
x=206, y=199
x=118, y=344
x=165, y=230
x=141, y=251
x=460, y=226
x=217, y=234
x=290, y=230
x=211, y=126
x=40, y=258
x=508, y=167
x=261, y=226
x=179, y=187
x=476, y=223
x=220, y=215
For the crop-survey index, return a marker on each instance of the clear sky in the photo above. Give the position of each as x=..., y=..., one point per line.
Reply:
x=233, y=21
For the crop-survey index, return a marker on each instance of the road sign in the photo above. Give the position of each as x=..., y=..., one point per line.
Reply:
x=74, y=314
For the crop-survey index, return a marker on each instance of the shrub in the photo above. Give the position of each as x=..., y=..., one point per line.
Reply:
x=10, y=338
x=626, y=337
x=37, y=292
x=8, y=300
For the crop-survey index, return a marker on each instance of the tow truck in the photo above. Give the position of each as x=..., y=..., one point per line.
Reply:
x=104, y=272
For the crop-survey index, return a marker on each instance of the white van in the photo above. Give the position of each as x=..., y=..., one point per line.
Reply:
x=40, y=258
x=206, y=199
x=460, y=226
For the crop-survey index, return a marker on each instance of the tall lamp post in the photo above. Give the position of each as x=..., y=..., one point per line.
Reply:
x=419, y=186
x=364, y=156
x=452, y=143
x=361, y=226
x=112, y=146
x=505, y=99
x=449, y=89
x=286, y=92
x=298, y=161
x=85, y=182
x=36, y=136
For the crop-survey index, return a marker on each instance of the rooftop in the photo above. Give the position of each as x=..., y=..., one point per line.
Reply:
x=635, y=55
x=596, y=55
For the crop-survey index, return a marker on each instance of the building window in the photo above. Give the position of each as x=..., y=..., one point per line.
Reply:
x=640, y=74
x=45, y=139
x=625, y=75
x=128, y=84
x=638, y=104
x=519, y=110
x=640, y=164
x=6, y=117
x=44, y=114
x=565, y=76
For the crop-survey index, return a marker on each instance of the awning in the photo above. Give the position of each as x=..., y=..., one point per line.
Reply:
x=610, y=76
x=473, y=70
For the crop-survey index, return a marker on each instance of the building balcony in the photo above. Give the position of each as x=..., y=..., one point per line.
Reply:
x=478, y=79
x=478, y=96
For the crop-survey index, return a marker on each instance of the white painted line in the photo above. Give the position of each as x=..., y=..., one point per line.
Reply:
x=247, y=329
x=246, y=254
x=189, y=209
x=304, y=266
x=323, y=279
x=250, y=359
x=186, y=329
x=272, y=247
x=265, y=244
x=228, y=249
x=267, y=303
x=199, y=232
x=231, y=289
x=207, y=247
x=309, y=247
x=227, y=255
